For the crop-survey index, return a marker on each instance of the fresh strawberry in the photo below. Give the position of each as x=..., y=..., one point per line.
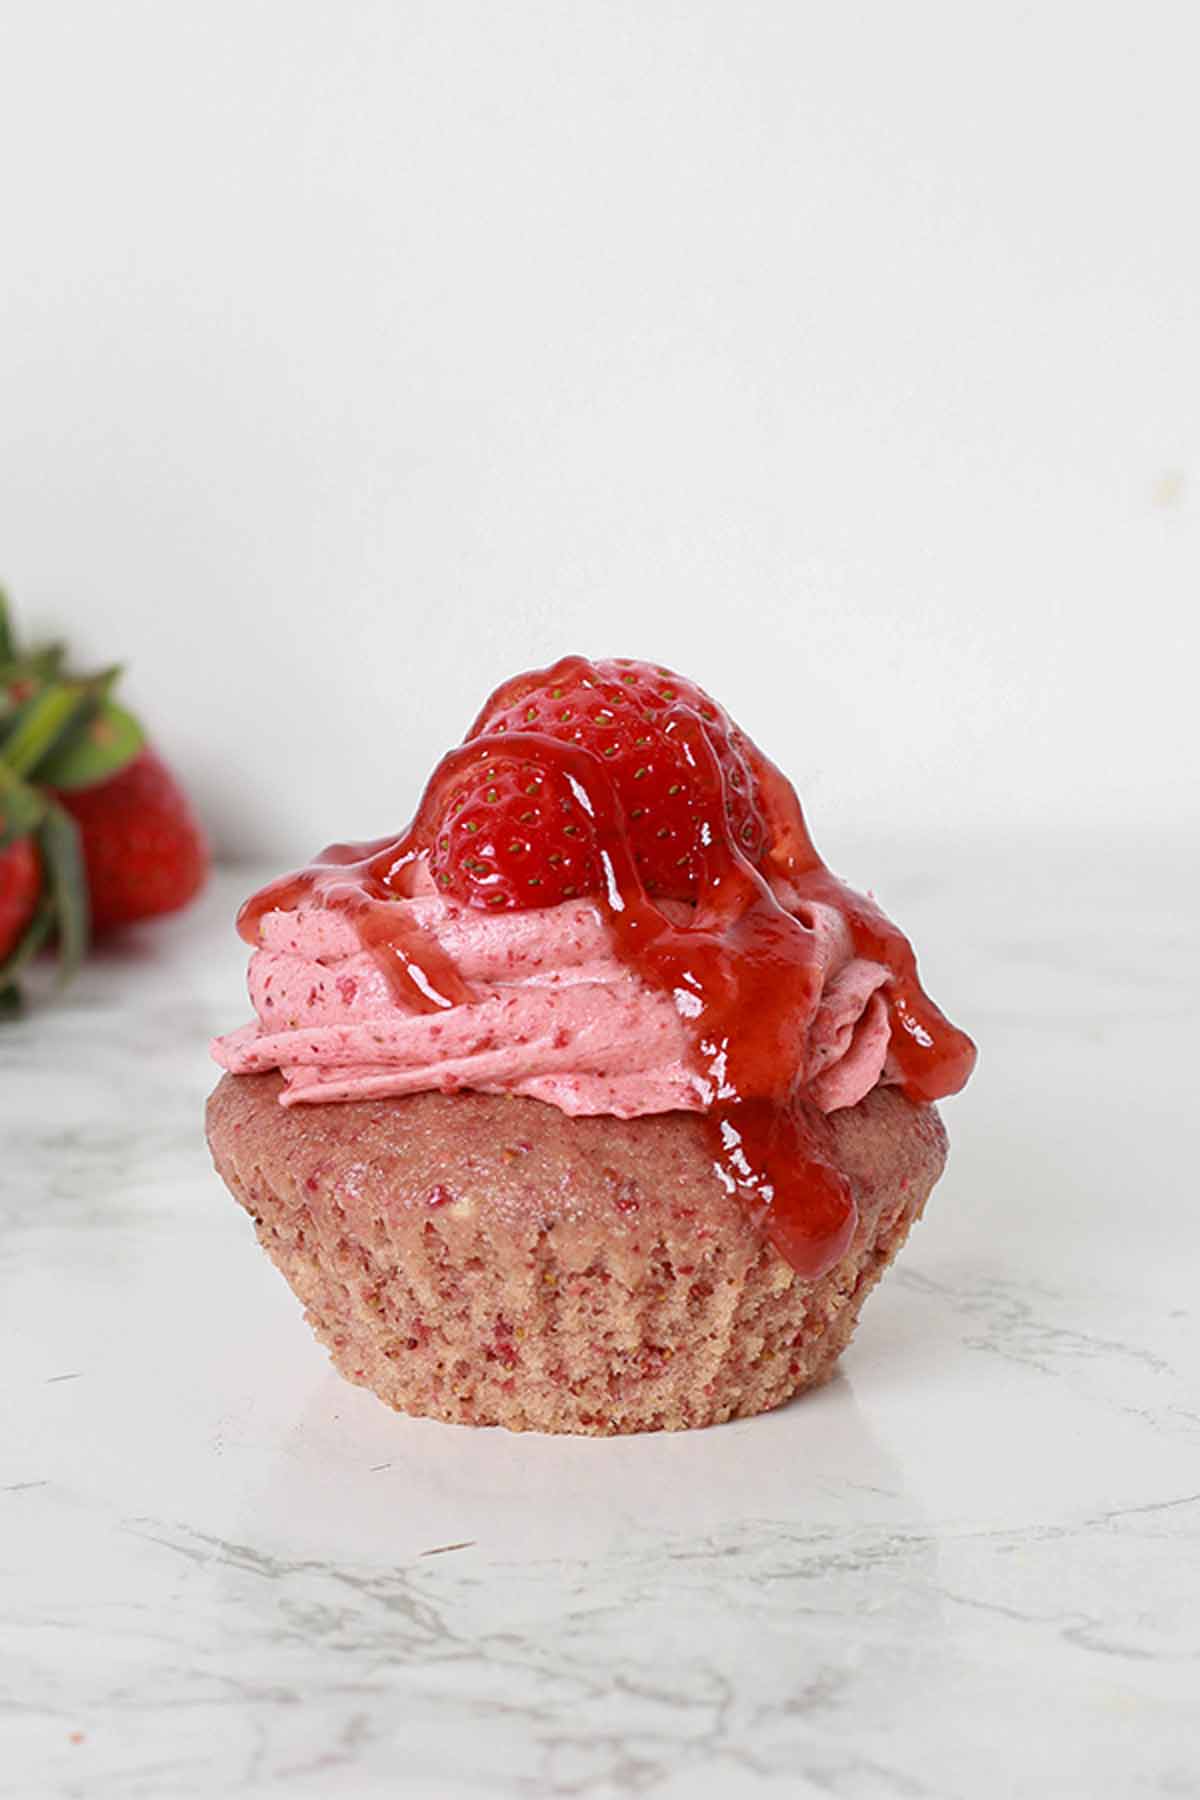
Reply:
x=143, y=850
x=83, y=804
x=511, y=835
x=628, y=714
x=20, y=888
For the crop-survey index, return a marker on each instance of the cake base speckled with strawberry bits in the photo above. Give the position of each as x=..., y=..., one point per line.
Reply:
x=487, y=1260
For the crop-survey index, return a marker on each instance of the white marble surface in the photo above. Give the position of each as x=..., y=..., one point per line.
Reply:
x=970, y=1567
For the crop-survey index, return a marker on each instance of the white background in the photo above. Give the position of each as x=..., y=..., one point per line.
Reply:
x=846, y=357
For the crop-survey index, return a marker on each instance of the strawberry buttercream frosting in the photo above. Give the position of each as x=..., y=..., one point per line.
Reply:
x=554, y=1013
x=608, y=900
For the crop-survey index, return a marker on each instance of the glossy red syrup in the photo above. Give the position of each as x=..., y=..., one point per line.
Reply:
x=742, y=970
x=346, y=878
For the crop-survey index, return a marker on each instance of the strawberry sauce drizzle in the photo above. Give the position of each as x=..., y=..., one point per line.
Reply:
x=742, y=972
x=345, y=878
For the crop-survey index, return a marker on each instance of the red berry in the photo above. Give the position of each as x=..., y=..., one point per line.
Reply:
x=628, y=714
x=510, y=834
x=144, y=851
x=20, y=886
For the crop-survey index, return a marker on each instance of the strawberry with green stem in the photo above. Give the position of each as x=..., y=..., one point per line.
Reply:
x=94, y=831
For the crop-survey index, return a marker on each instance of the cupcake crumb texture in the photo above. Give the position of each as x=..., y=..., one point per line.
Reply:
x=485, y=1260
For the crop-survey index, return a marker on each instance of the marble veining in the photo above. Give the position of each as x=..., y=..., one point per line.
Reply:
x=970, y=1566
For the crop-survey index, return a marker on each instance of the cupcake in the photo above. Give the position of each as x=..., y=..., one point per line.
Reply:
x=593, y=1102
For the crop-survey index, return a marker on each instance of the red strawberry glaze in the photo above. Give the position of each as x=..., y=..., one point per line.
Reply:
x=625, y=712
x=346, y=878
x=742, y=969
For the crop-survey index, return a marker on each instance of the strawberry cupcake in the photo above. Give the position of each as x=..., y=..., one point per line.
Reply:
x=593, y=1102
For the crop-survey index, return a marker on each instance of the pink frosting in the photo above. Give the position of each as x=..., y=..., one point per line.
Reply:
x=555, y=1016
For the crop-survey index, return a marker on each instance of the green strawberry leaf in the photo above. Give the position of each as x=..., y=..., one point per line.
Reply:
x=17, y=688
x=27, y=946
x=62, y=855
x=93, y=749
x=42, y=722
x=46, y=661
x=10, y=1001
x=22, y=808
x=8, y=642
x=28, y=673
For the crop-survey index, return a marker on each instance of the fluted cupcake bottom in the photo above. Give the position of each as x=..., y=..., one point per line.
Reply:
x=487, y=1260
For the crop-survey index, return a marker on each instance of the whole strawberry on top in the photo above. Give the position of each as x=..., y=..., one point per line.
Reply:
x=94, y=830
x=628, y=714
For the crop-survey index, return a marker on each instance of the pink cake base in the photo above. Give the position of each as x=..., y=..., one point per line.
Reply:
x=487, y=1260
